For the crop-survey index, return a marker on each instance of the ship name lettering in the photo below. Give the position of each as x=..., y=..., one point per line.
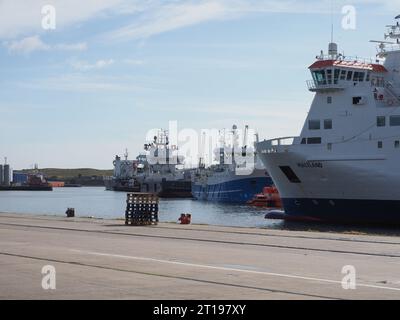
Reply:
x=310, y=164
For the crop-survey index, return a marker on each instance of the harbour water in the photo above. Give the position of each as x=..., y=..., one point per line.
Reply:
x=98, y=203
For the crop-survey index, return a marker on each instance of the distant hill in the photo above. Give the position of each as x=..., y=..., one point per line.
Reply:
x=72, y=173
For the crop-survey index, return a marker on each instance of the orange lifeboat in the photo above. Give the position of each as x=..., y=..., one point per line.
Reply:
x=269, y=198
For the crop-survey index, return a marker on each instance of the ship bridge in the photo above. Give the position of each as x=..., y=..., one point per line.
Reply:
x=335, y=72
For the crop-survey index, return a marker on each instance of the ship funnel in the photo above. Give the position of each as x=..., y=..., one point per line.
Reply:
x=333, y=49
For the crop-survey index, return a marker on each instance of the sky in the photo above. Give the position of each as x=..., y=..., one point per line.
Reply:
x=111, y=70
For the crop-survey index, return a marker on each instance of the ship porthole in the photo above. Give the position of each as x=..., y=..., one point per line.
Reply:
x=315, y=202
x=332, y=203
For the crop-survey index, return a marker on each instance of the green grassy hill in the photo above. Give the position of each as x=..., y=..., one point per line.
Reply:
x=72, y=173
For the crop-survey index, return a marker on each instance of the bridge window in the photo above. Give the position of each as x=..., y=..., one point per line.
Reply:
x=336, y=76
x=349, y=75
x=381, y=121
x=329, y=100
x=368, y=76
x=328, y=124
x=380, y=144
x=343, y=75
x=397, y=144
x=359, y=76
x=319, y=77
x=395, y=121
x=329, y=76
x=317, y=140
x=314, y=124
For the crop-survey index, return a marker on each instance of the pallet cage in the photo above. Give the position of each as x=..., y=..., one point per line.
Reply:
x=141, y=209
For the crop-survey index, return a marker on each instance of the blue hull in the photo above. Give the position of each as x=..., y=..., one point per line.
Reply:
x=237, y=191
x=343, y=210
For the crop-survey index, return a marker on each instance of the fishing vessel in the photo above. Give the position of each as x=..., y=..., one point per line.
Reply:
x=345, y=165
x=225, y=181
x=123, y=178
x=159, y=169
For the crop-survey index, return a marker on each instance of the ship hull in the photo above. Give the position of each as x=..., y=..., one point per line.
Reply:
x=121, y=186
x=124, y=189
x=337, y=189
x=344, y=210
x=26, y=188
x=168, y=188
x=176, y=189
x=238, y=191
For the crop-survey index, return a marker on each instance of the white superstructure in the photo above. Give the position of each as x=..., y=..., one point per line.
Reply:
x=345, y=165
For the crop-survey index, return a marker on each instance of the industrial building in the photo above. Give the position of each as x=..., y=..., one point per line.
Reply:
x=5, y=174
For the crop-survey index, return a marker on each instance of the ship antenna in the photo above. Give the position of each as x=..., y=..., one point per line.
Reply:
x=333, y=47
x=332, y=26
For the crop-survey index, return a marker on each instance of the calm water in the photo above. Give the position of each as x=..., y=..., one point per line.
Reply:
x=99, y=203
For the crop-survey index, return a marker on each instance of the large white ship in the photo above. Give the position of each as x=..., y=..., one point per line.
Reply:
x=345, y=165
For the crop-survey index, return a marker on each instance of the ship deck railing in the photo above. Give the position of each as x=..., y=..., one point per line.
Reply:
x=389, y=48
x=349, y=59
x=315, y=86
x=277, y=145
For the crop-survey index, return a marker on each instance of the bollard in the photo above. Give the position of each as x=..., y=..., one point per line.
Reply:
x=70, y=212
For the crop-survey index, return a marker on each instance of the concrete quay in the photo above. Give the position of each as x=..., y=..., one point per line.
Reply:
x=104, y=259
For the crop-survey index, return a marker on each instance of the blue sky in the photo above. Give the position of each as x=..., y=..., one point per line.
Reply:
x=114, y=69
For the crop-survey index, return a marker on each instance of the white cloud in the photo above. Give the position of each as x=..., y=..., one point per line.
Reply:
x=85, y=83
x=152, y=17
x=27, y=45
x=19, y=17
x=164, y=16
x=171, y=17
x=82, y=65
x=85, y=66
x=34, y=43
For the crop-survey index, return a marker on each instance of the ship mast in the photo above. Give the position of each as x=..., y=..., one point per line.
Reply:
x=245, y=138
x=393, y=33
